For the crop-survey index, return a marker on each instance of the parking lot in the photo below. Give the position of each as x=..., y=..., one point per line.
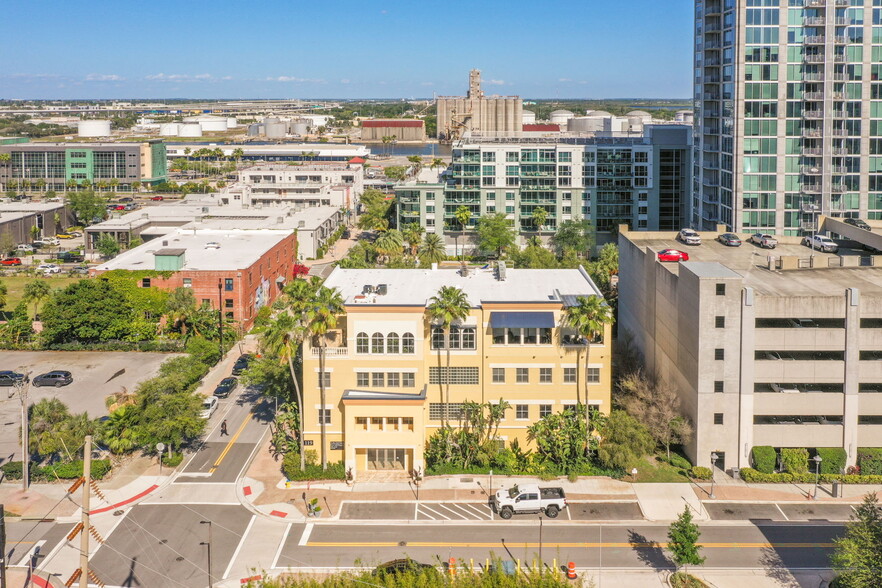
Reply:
x=809, y=511
x=96, y=375
x=480, y=511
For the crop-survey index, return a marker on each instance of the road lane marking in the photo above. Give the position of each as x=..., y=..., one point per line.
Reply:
x=440, y=514
x=652, y=545
x=778, y=506
x=455, y=512
x=281, y=545
x=238, y=548
x=425, y=514
x=27, y=557
x=480, y=512
x=230, y=444
x=304, y=538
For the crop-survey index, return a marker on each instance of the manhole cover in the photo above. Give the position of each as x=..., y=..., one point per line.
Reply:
x=116, y=513
x=402, y=544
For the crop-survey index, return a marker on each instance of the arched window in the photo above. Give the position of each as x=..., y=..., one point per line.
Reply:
x=392, y=343
x=408, y=344
x=361, y=343
x=437, y=338
x=377, y=343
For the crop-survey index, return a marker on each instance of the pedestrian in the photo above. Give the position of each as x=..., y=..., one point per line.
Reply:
x=224, y=428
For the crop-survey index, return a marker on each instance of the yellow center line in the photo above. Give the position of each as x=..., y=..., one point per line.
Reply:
x=229, y=445
x=548, y=544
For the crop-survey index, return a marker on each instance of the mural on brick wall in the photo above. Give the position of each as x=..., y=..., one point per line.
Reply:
x=261, y=295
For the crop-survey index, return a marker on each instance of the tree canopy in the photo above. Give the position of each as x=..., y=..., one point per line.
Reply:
x=495, y=233
x=87, y=311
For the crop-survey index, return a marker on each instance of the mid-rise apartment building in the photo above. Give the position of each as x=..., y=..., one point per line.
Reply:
x=55, y=165
x=788, y=113
x=765, y=347
x=385, y=386
x=642, y=182
x=338, y=185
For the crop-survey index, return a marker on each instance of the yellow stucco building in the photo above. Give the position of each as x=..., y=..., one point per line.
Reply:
x=386, y=364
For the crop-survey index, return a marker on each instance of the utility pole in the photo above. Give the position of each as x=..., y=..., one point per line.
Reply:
x=2, y=547
x=87, y=492
x=220, y=316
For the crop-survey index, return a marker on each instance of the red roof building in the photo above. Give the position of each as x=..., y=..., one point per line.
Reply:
x=543, y=128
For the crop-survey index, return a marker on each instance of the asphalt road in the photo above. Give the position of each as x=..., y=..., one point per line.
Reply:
x=96, y=376
x=633, y=546
x=31, y=541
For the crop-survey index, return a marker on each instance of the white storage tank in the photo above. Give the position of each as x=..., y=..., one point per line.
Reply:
x=169, y=129
x=299, y=126
x=232, y=123
x=255, y=129
x=190, y=130
x=270, y=119
x=528, y=117
x=584, y=124
x=212, y=124
x=560, y=117
x=93, y=128
x=275, y=130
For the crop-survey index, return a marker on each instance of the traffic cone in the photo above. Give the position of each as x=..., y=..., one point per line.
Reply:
x=571, y=570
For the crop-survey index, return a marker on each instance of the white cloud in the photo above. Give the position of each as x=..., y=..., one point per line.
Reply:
x=227, y=78
x=203, y=76
x=495, y=82
x=296, y=80
x=427, y=84
x=94, y=77
x=345, y=81
x=564, y=80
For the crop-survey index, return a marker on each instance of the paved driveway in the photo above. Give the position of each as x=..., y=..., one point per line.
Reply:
x=96, y=375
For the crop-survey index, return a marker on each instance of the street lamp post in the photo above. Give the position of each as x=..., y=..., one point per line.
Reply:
x=540, y=543
x=817, y=459
x=713, y=478
x=21, y=386
x=208, y=544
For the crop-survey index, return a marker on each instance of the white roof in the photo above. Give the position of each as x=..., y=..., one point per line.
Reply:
x=238, y=250
x=414, y=287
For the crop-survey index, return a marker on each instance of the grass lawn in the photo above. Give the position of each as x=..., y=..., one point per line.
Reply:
x=654, y=469
x=15, y=286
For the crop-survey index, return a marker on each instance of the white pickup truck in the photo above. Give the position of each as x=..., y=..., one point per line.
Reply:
x=527, y=499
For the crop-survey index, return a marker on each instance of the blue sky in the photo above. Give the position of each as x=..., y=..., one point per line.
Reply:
x=345, y=49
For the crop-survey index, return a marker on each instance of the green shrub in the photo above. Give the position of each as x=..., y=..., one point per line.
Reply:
x=678, y=461
x=832, y=459
x=701, y=473
x=794, y=460
x=64, y=470
x=764, y=458
x=869, y=459
x=12, y=470
x=313, y=471
x=173, y=461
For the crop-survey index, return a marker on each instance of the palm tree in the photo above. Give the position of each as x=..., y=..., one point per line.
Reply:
x=322, y=316
x=436, y=162
x=390, y=243
x=182, y=309
x=450, y=305
x=432, y=249
x=540, y=215
x=36, y=292
x=413, y=234
x=417, y=162
x=238, y=154
x=589, y=318
x=462, y=215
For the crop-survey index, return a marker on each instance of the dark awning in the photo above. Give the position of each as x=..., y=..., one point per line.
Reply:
x=502, y=320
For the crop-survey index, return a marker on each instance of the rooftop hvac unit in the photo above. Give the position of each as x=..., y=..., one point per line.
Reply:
x=165, y=243
x=500, y=271
x=367, y=289
x=301, y=224
x=382, y=289
x=205, y=209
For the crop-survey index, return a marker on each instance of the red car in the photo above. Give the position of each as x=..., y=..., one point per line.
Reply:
x=119, y=207
x=10, y=261
x=672, y=255
x=157, y=198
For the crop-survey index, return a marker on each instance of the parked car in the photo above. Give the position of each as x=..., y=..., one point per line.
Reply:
x=241, y=364
x=71, y=257
x=130, y=206
x=10, y=261
x=226, y=387
x=82, y=270
x=64, y=236
x=25, y=247
x=57, y=378
x=48, y=241
x=730, y=240
x=75, y=233
x=48, y=266
x=859, y=223
x=10, y=378
x=126, y=199
x=672, y=255
x=764, y=240
x=119, y=207
x=821, y=243
x=209, y=405
x=529, y=498
x=405, y=565
x=158, y=198
x=689, y=237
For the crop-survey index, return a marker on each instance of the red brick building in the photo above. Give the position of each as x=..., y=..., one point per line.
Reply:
x=238, y=270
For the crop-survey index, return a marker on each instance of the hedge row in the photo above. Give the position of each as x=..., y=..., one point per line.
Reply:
x=66, y=470
x=869, y=459
x=764, y=458
x=156, y=346
x=832, y=459
x=750, y=475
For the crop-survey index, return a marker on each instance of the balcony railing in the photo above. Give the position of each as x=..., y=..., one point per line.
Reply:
x=839, y=188
x=812, y=77
x=816, y=114
x=814, y=40
x=331, y=351
x=810, y=170
x=811, y=133
x=813, y=58
x=811, y=188
x=814, y=21
x=813, y=96
x=813, y=151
